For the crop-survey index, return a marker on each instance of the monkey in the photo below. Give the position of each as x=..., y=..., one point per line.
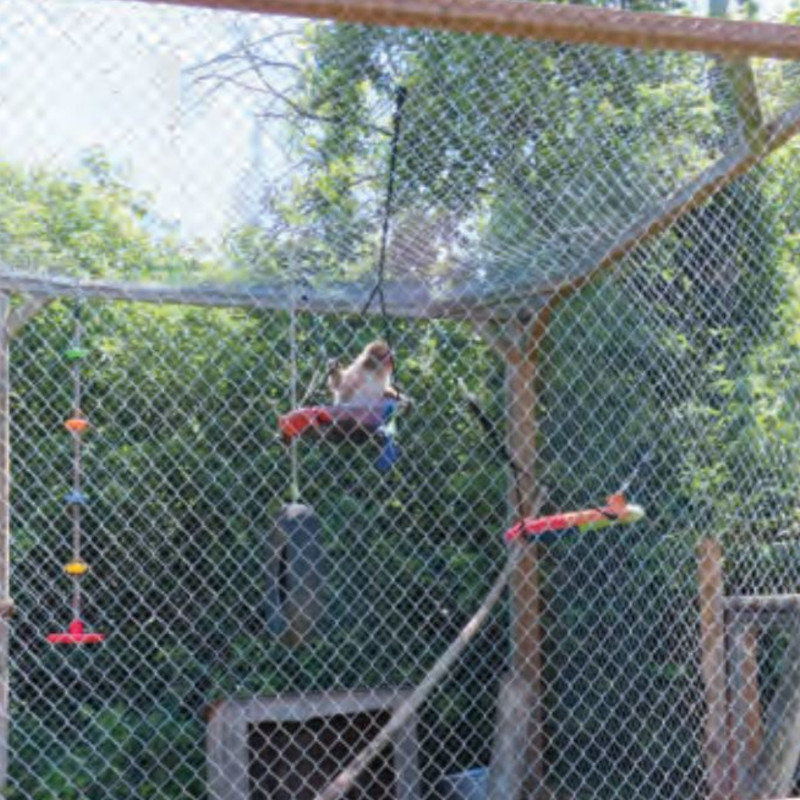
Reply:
x=368, y=380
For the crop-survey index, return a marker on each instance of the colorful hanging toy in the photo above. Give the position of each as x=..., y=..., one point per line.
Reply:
x=77, y=568
x=617, y=511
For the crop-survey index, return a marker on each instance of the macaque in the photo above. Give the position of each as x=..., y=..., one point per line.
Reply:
x=368, y=380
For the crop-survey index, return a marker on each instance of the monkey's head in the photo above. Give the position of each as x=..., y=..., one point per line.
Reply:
x=377, y=356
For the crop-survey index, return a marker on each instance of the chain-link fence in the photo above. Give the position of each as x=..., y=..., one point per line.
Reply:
x=234, y=561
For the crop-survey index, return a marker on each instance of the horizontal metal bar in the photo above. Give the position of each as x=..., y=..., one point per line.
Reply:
x=572, y=24
x=401, y=302
x=762, y=602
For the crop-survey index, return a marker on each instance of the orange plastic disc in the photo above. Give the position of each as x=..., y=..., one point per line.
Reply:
x=77, y=424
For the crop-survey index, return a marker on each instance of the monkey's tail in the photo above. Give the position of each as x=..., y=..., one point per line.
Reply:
x=490, y=430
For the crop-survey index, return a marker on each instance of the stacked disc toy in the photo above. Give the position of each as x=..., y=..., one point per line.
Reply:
x=77, y=425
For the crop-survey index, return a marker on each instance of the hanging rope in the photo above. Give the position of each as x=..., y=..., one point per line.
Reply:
x=77, y=425
x=294, y=487
x=322, y=368
x=377, y=291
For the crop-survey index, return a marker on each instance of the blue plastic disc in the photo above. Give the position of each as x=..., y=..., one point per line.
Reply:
x=76, y=498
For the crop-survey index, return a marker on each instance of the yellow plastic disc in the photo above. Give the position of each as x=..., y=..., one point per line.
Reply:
x=76, y=568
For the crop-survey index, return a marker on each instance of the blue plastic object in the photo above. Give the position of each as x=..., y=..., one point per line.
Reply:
x=389, y=454
x=389, y=450
x=76, y=498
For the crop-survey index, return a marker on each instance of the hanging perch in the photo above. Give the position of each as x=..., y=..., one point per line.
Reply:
x=617, y=511
x=356, y=424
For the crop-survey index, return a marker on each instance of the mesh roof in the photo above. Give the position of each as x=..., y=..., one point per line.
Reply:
x=265, y=144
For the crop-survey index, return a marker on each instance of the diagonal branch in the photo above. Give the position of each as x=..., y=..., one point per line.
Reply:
x=235, y=53
x=257, y=66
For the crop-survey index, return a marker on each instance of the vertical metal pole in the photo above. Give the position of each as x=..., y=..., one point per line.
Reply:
x=521, y=354
x=712, y=663
x=5, y=530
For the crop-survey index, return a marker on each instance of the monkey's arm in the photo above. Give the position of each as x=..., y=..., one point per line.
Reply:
x=393, y=393
x=334, y=381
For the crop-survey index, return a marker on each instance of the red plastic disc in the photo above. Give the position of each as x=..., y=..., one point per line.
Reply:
x=75, y=634
x=297, y=421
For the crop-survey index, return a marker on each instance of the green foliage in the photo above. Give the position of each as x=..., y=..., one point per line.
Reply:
x=502, y=141
x=88, y=223
x=114, y=751
x=184, y=475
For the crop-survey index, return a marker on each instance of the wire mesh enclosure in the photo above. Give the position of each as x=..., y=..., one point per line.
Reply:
x=539, y=540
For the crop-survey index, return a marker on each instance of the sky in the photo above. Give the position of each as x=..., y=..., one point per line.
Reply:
x=77, y=74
